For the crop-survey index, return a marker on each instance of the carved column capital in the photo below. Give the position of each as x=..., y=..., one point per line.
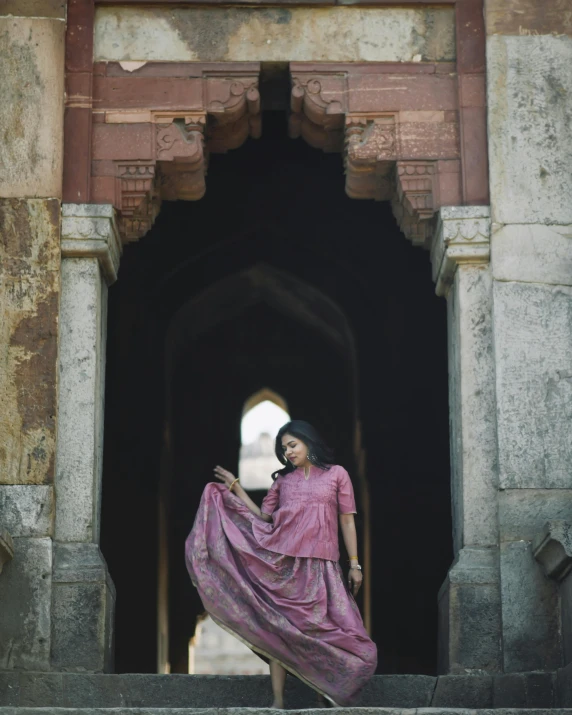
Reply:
x=462, y=236
x=91, y=231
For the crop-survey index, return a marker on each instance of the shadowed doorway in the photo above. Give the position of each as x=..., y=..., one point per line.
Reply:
x=275, y=278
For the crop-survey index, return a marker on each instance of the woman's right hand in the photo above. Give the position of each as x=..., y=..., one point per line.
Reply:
x=224, y=475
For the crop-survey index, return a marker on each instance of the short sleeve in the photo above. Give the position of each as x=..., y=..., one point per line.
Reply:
x=270, y=501
x=346, y=499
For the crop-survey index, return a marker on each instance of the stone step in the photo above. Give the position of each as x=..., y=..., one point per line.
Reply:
x=75, y=690
x=269, y=711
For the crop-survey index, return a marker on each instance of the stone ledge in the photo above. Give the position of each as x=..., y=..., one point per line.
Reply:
x=462, y=236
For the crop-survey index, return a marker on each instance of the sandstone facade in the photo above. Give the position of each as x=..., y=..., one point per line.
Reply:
x=459, y=115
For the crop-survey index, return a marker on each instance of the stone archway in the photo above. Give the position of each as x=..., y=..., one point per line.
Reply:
x=414, y=151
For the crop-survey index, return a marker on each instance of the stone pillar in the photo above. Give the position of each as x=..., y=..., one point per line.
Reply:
x=529, y=86
x=31, y=126
x=83, y=594
x=469, y=600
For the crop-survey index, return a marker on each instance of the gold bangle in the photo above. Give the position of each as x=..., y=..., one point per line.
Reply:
x=232, y=485
x=354, y=557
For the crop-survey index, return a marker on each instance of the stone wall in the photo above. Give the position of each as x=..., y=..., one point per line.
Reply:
x=31, y=124
x=293, y=34
x=529, y=87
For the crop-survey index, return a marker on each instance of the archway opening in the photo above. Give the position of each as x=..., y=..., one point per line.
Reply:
x=275, y=278
x=263, y=415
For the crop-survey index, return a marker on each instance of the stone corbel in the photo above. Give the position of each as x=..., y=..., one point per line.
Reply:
x=170, y=146
x=415, y=201
x=318, y=111
x=394, y=148
x=91, y=231
x=553, y=549
x=369, y=156
x=6, y=548
x=462, y=236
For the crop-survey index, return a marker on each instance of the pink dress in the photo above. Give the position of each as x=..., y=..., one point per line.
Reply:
x=277, y=586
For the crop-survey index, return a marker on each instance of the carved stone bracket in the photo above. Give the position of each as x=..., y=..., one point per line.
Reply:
x=414, y=200
x=462, y=236
x=369, y=156
x=143, y=154
x=393, y=150
x=318, y=111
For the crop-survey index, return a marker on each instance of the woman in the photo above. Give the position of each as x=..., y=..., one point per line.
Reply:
x=271, y=576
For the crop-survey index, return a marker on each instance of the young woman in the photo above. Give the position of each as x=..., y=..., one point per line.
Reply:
x=271, y=576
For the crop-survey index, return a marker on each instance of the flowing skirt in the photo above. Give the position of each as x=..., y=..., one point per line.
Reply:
x=294, y=610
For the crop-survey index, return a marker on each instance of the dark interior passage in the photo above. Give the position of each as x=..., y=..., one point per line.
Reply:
x=275, y=279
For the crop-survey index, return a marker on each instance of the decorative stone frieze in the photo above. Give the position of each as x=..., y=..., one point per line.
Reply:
x=6, y=548
x=398, y=144
x=155, y=127
x=462, y=235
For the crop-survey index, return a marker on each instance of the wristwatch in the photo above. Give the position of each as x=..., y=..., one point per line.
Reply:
x=357, y=566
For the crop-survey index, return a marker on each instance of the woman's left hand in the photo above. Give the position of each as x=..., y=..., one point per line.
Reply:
x=355, y=578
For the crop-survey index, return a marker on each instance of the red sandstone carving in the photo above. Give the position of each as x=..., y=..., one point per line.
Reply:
x=399, y=144
x=437, y=111
x=154, y=130
x=414, y=200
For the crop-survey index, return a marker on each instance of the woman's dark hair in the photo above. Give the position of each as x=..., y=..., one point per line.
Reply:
x=322, y=455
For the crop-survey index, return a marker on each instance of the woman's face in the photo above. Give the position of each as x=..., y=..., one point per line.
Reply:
x=294, y=450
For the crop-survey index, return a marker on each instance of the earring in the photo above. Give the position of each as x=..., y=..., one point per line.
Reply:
x=311, y=457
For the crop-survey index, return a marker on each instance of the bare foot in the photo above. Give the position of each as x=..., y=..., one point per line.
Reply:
x=277, y=704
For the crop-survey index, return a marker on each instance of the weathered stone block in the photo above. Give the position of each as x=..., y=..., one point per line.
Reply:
x=29, y=295
x=83, y=610
x=566, y=617
x=472, y=405
x=83, y=311
x=524, y=690
x=532, y=254
x=530, y=612
x=41, y=690
x=407, y=691
x=533, y=351
x=34, y=8
x=527, y=17
x=470, y=615
x=9, y=688
x=524, y=512
x=25, y=595
x=466, y=691
x=564, y=687
x=529, y=97
x=274, y=34
x=32, y=106
x=27, y=510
